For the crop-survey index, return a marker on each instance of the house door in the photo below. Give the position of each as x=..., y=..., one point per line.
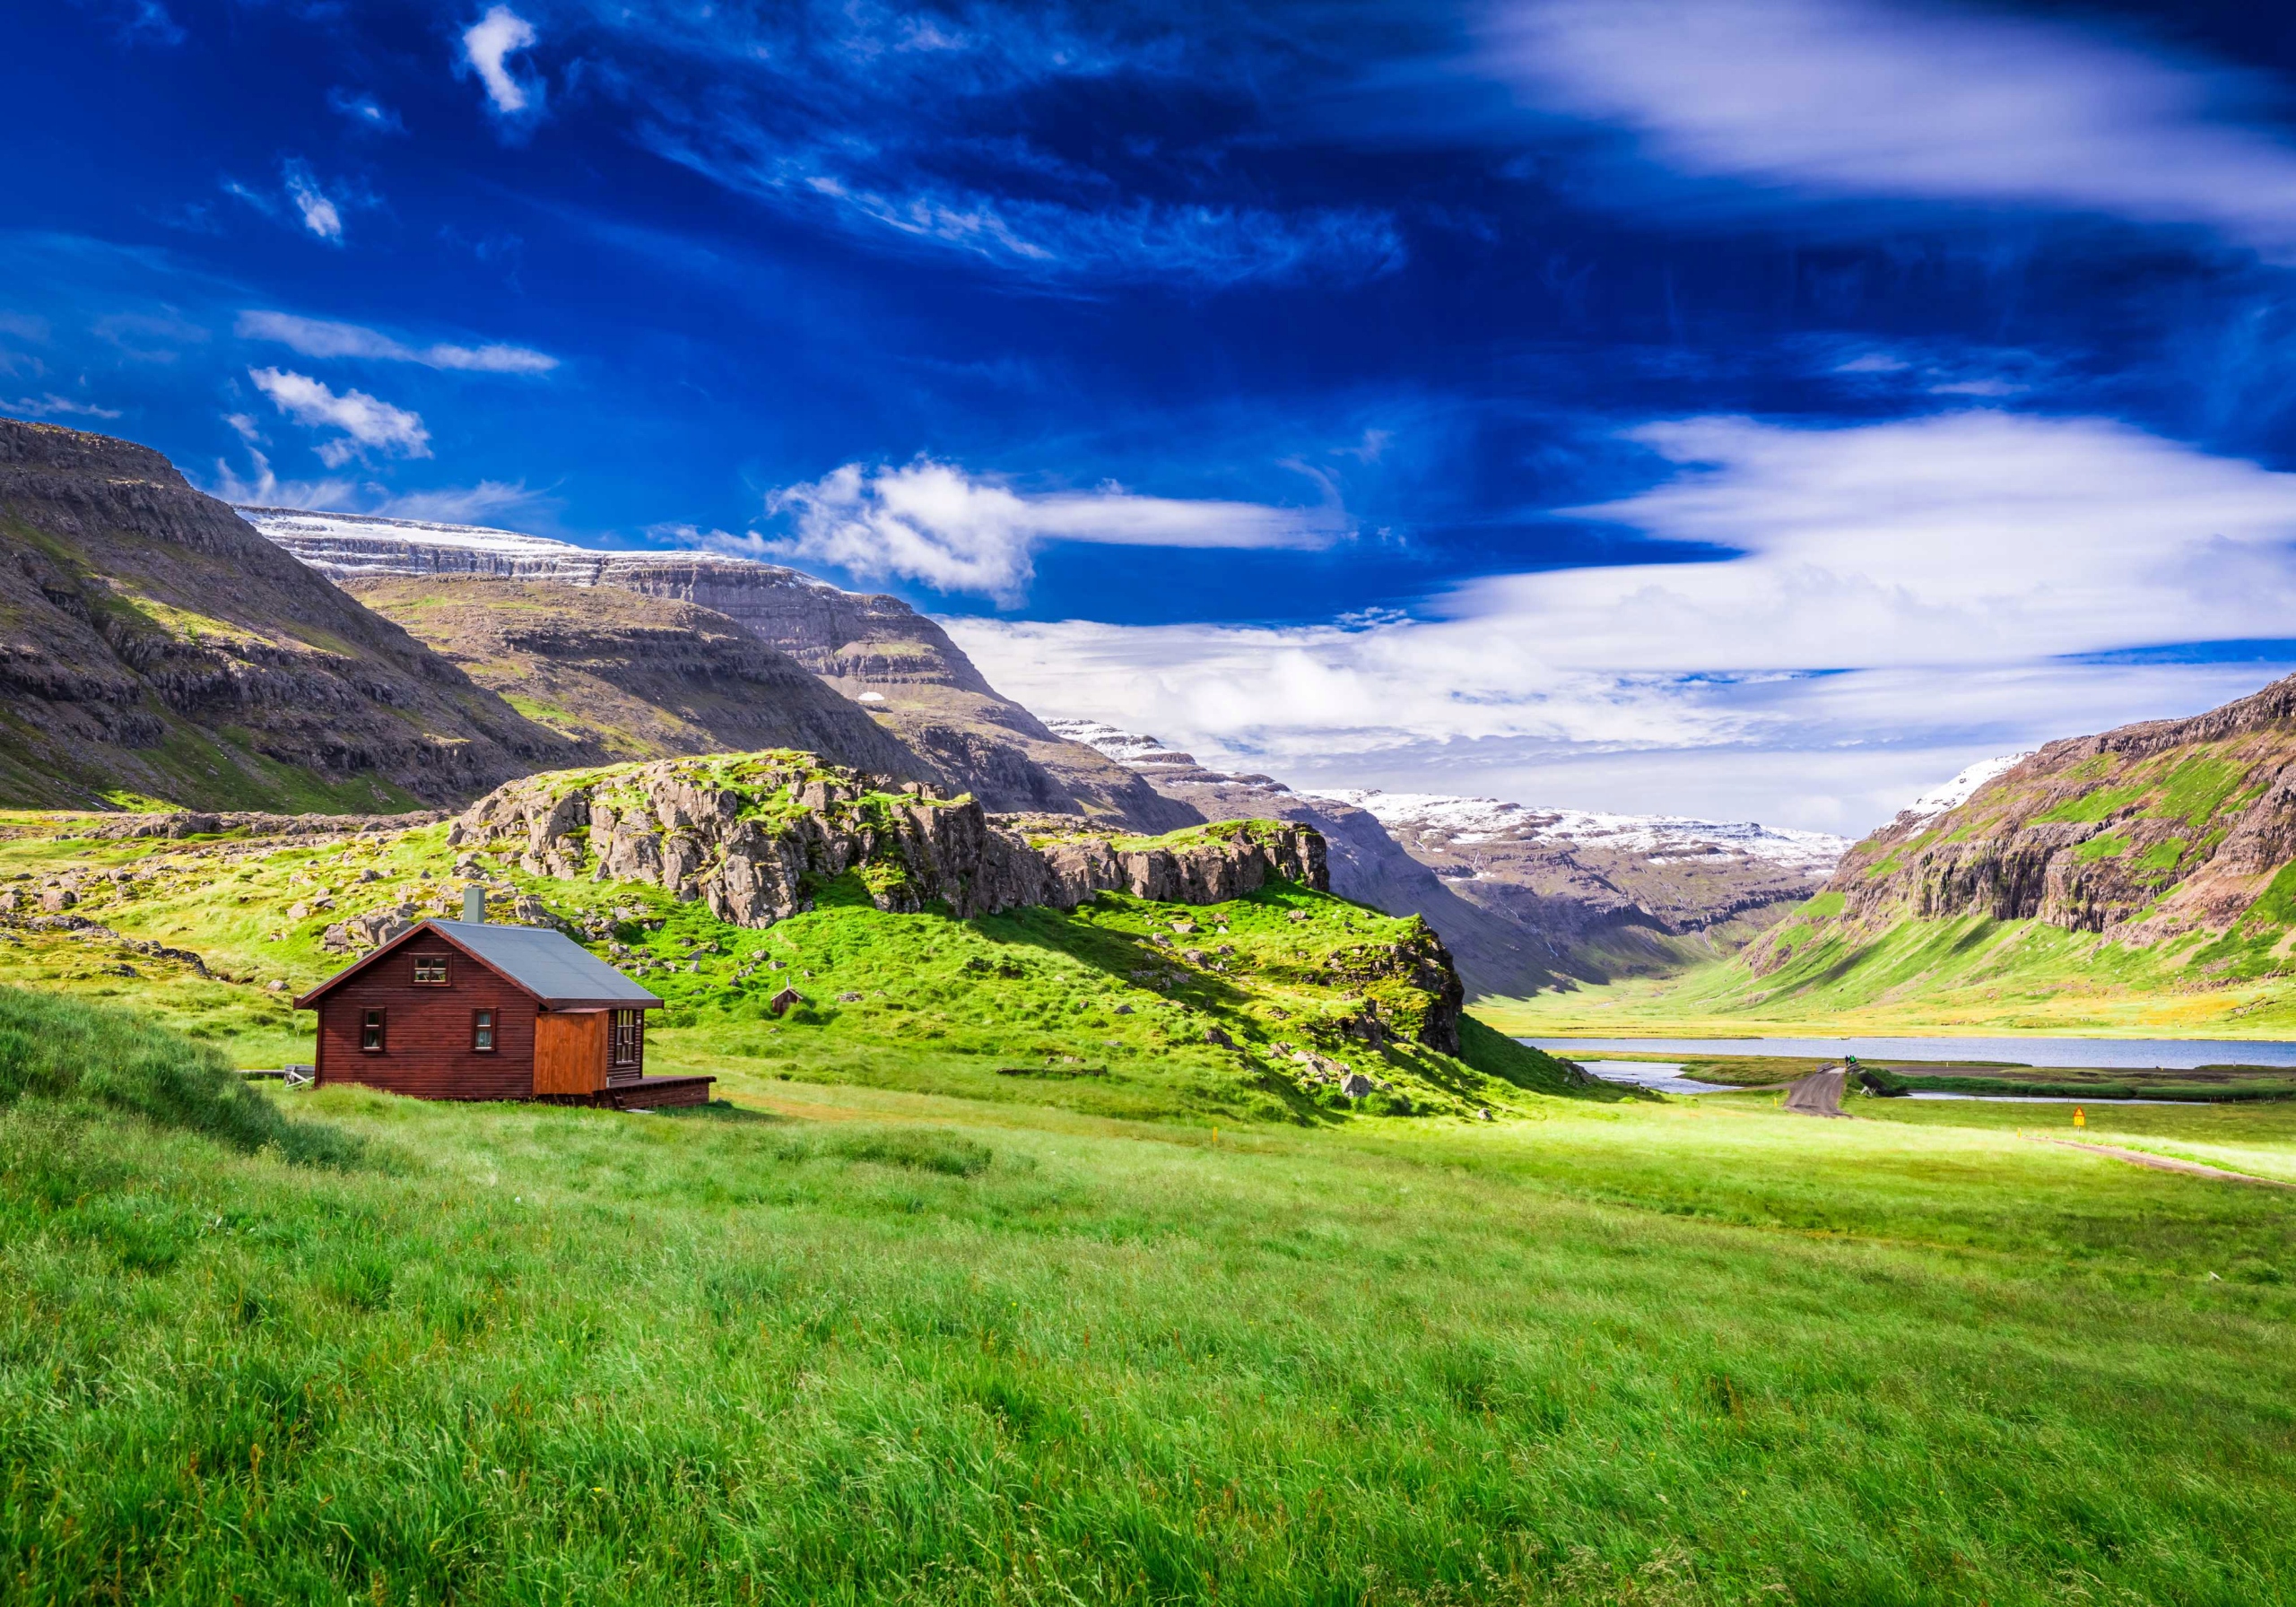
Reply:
x=570, y=1052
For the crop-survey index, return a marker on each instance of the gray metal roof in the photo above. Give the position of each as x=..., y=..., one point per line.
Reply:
x=549, y=964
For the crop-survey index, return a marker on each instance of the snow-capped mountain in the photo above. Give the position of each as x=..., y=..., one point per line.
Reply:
x=1465, y=822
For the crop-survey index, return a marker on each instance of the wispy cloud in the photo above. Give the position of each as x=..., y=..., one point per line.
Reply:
x=159, y=337
x=325, y=337
x=363, y=424
x=262, y=488
x=1905, y=589
x=924, y=135
x=464, y=504
x=53, y=406
x=959, y=533
x=138, y=22
x=1098, y=237
x=1878, y=98
x=319, y=213
x=363, y=111
x=487, y=45
x=303, y=199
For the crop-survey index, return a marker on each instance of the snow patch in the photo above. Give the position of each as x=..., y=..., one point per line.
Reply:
x=346, y=546
x=1964, y=786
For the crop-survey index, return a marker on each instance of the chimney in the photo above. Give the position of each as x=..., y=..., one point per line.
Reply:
x=475, y=905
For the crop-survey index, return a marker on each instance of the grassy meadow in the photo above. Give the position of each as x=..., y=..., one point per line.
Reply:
x=990, y=1278
x=853, y=1343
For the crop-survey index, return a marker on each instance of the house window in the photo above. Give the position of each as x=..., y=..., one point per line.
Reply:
x=481, y=1032
x=628, y=1028
x=370, y=1033
x=430, y=970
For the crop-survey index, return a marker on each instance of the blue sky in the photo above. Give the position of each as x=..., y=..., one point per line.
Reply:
x=1758, y=407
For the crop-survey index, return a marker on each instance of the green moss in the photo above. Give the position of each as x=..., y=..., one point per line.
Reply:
x=1823, y=907
x=2105, y=845
x=2097, y=804
x=2164, y=856
x=2198, y=788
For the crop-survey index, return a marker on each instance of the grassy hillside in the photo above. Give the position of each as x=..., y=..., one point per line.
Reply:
x=2140, y=882
x=1100, y=1010
x=860, y=1344
x=1971, y=975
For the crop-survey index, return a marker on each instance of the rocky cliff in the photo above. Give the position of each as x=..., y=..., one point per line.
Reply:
x=152, y=644
x=875, y=649
x=756, y=837
x=629, y=676
x=2145, y=835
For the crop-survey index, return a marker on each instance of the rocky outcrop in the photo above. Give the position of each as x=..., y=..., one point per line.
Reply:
x=756, y=835
x=873, y=648
x=156, y=644
x=2145, y=832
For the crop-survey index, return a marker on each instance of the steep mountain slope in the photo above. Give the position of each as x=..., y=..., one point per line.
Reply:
x=1529, y=899
x=2139, y=879
x=631, y=676
x=873, y=648
x=2156, y=834
x=152, y=643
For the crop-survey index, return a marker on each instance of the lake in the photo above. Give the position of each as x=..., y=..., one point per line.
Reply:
x=1666, y=1077
x=2140, y=1054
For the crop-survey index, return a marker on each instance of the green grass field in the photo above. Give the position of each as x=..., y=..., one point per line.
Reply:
x=842, y=1343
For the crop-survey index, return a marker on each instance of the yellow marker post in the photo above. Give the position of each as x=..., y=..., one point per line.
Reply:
x=2079, y=1120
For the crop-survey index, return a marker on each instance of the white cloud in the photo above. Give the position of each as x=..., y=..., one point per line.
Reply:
x=320, y=214
x=487, y=46
x=53, y=406
x=1865, y=98
x=1905, y=595
x=324, y=337
x=959, y=533
x=365, y=423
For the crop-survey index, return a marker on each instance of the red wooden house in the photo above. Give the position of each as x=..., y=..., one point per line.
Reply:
x=463, y=1009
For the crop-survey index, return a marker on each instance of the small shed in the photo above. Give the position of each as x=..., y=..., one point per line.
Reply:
x=465, y=1010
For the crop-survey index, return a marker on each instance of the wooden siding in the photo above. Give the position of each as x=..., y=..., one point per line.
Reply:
x=617, y=1075
x=427, y=1035
x=570, y=1051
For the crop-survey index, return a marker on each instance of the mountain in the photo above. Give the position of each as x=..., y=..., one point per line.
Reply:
x=152, y=644
x=1528, y=899
x=2144, y=875
x=629, y=676
x=875, y=649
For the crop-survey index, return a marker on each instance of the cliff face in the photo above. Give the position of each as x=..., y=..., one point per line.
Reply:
x=755, y=835
x=152, y=643
x=917, y=681
x=2144, y=834
x=628, y=676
